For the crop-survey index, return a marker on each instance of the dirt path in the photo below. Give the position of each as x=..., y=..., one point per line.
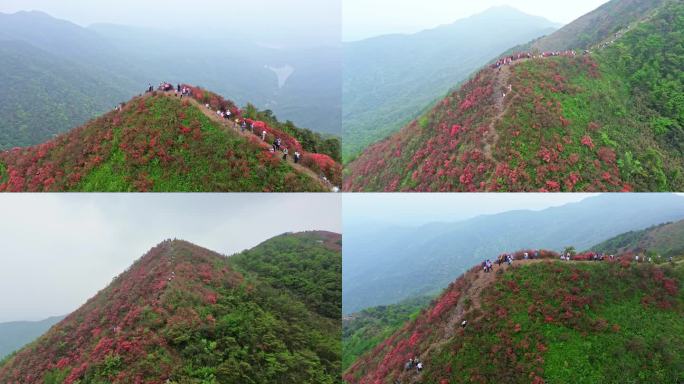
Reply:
x=478, y=283
x=231, y=127
x=501, y=86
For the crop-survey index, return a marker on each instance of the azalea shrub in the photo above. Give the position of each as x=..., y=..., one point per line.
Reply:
x=323, y=164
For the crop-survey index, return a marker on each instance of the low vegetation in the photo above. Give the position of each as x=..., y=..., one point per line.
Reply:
x=549, y=321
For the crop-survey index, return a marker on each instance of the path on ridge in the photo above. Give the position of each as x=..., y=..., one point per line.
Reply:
x=232, y=127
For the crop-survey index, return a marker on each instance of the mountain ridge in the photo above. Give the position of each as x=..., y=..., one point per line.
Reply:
x=447, y=250
x=137, y=146
x=524, y=319
x=182, y=313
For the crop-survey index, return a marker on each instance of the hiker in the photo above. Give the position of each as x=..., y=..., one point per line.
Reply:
x=637, y=258
x=251, y=127
x=419, y=367
x=243, y=126
x=273, y=147
x=408, y=365
x=285, y=154
x=296, y=157
x=263, y=135
x=464, y=323
x=525, y=255
x=277, y=143
x=178, y=88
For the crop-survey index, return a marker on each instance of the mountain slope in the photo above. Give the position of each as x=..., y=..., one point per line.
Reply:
x=598, y=25
x=362, y=331
x=181, y=314
x=384, y=265
x=542, y=321
x=16, y=334
x=389, y=79
x=664, y=240
x=45, y=94
x=607, y=121
x=158, y=142
x=307, y=264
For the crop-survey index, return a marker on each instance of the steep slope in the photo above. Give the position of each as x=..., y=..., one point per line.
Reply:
x=158, y=142
x=606, y=121
x=362, y=331
x=662, y=241
x=308, y=264
x=389, y=79
x=45, y=95
x=16, y=334
x=386, y=265
x=181, y=314
x=595, y=26
x=542, y=321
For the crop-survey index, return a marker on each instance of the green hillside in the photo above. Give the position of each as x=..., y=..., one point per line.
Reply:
x=542, y=321
x=665, y=240
x=62, y=94
x=309, y=265
x=362, y=331
x=181, y=315
x=611, y=120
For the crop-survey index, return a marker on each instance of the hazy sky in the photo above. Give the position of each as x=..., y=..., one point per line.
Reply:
x=367, y=18
x=413, y=209
x=58, y=250
x=312, y=20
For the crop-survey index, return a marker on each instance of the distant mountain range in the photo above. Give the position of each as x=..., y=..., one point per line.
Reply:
x=384, y=265
x=57, y=75
x=388, y=80
x=16, y=334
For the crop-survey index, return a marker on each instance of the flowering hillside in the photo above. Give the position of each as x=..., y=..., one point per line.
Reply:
x=610, y=120
x=182, y=314
x=538, y=321
x=156, y=142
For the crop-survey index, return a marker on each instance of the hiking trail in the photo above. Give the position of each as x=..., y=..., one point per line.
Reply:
x=478, y=281
x=231, y=127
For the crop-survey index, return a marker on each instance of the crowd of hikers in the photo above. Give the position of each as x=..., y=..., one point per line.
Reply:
x=244, y=124
x=528, y=55
x=564, y=255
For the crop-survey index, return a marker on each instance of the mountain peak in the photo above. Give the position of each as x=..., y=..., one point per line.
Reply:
x=181, y=311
